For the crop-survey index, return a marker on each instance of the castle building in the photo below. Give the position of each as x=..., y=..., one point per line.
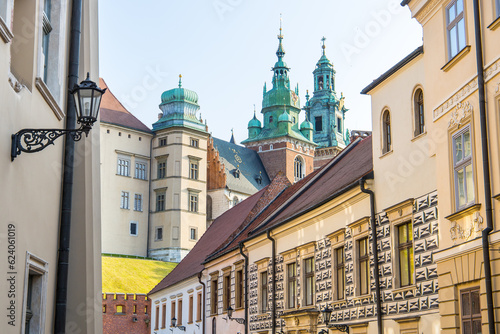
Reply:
x=327, y=112
x=281, y=143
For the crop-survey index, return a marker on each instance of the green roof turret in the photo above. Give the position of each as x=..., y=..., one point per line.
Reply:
x=179, y=94
x=254, y=122
x=306, y=125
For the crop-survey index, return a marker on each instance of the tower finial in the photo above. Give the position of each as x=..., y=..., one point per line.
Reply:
x=180, y=80
x=281, y=52
x=323, y=40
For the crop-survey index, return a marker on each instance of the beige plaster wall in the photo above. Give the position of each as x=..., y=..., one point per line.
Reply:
x=116, y=236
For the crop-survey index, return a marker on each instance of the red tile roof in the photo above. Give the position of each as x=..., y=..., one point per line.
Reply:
x=348, y=167
x=113, y=112
x=219, y=231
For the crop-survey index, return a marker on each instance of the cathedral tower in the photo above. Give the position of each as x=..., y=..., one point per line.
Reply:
x=326, y=111
x=282, y=144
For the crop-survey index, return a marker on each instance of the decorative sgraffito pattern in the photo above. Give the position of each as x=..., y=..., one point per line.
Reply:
x=395, y=301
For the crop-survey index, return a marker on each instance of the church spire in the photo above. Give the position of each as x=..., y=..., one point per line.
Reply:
x=281, y=51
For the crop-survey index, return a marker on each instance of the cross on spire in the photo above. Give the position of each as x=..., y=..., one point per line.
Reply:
x=323, y=40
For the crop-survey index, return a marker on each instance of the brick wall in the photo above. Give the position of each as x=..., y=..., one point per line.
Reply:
x=134, y=318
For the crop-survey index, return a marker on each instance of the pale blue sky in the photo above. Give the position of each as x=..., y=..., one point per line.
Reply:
x=225, y=49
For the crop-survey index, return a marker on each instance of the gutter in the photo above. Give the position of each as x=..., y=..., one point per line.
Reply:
x=486, y=169
x=378, y=299
x=246, y=286
x=67, y=186
x=273, y=283
x=202, y=304
x=149, y=193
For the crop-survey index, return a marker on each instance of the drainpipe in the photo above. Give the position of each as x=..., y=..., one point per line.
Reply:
x=375, y=254
x=486, y=168
x=202, y=304
x=246, y=287
x=149, y=193
x=67, y=186
x=273, y=285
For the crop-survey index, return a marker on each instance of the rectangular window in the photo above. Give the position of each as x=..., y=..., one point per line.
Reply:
x=138, y=202
x=497, y=5
x=318, y=123
x=309, y=281
x=164, y=316
x=124, y=204
x=123, y=167
x=172, y=313
x=470, y=310
x=22, y=49
x=364, y=266
x=162, y=169
x=140, y=170
x=194, y=142
x=193, y=233
x=291, y=274
x=157, y=320
x=339, y=125
x=263, y=292
x=198, y=307
x=193, y=170
x=193, y=202
x=226, y=292
x=162, y=141
x=179, y=313
x=455, y=25
x=340, y=273
x=133, y=228
x=160, y=202
x=159, y=234
x=213, y=296
x=239, y=289
x=463, y=171
x=190, y=314
x=405, y=249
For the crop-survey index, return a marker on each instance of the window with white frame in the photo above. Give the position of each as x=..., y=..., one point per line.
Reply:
x=405, y=254
x=193, y=202
x=193, y=170
x=124, y=204
x=299, y=168
x=291, y=274
x=133, y=228
x=264, y=297
x=140, y=170
x=123, y=167
x=463, y=168
x=455, y=26
x=309, y=281
x=138, y=202
x=193, y=233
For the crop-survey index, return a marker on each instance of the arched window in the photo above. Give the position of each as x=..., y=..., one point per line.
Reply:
x=260, y=148
x=271, y=147
x=214, y=325
x=418, y=109
x=299, y=168
x=270, y=119
x=386, y=132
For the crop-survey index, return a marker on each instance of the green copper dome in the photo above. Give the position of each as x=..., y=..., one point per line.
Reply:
x=254, y=122
x=179, y=94
x=285, y=117
x=306, y=125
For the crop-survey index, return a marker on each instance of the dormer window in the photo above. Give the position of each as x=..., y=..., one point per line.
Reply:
x=259, y=178
x=237, y=172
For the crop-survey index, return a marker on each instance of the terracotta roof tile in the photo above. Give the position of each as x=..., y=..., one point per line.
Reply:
x=113, y=112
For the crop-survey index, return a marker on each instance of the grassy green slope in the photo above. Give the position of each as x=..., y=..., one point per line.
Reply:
x=122, y=275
